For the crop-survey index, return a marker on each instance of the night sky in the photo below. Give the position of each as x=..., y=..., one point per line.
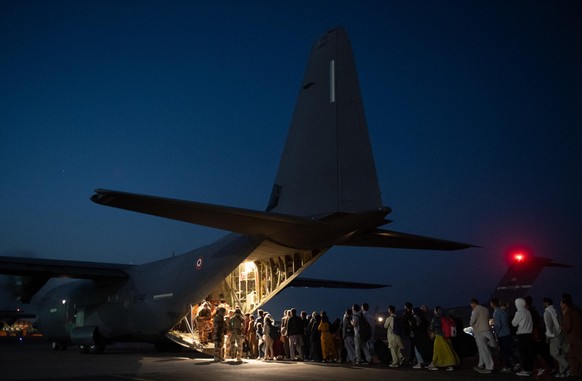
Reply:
x=474, y=111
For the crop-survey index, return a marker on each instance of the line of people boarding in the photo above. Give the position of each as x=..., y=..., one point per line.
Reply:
x=525, y=344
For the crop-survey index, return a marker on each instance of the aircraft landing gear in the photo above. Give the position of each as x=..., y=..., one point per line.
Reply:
x=92, y=349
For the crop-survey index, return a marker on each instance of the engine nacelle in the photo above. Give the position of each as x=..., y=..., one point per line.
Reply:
x=60, y=315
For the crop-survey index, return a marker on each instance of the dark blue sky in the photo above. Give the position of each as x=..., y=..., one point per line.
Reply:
x=474, y=111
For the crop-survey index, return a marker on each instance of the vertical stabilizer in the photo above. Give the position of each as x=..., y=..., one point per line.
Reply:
x=520, y=277
x=327, y=164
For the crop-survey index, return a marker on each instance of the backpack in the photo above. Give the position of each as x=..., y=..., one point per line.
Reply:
x=349, y=328
x=365, y=329
x=397, y=328
x=449, y=327
x=235, y=324
x=204, y=312
x=275, y=332
x=557, y=328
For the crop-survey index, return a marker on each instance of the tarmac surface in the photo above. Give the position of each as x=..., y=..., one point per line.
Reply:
x=35, y=360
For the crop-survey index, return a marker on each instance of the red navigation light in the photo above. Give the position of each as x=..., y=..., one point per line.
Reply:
x=519, y=257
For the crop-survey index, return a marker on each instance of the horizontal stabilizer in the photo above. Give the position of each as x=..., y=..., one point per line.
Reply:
x=324, y=283
x=12, y=316
x=555, y=264
x=387, y=238
x=238, y=220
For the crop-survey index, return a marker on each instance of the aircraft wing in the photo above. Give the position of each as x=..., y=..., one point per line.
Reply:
x=36, y=272
x=61, y=268
x=324, y=283
x=387, y=238
x=11, y=316
x=237, y=220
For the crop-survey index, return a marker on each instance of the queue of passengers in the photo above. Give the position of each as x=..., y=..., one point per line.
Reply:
x=549, y=343
x=545, y=344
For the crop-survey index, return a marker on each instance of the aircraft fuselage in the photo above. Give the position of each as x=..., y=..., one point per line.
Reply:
x=143, y=307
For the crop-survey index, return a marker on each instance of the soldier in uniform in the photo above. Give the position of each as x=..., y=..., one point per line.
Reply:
x=218, y=333
x=203, y=322
x=236, y=334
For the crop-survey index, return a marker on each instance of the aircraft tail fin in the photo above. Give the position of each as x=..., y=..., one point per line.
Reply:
x=327, y=164
x=520, y=277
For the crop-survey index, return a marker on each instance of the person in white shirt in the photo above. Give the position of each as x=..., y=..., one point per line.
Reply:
x=393, y=336
x=554, y=336
x=524, y=323
x=360, y=345
x=483, y=336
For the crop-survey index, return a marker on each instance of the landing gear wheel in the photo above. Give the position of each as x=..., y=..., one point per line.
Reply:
x=96, y=349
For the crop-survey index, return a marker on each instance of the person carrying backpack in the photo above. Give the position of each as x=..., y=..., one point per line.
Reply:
x=361, y=328
x=236, y=334
x=393, y=333
x=218, y=333
x=443, y=353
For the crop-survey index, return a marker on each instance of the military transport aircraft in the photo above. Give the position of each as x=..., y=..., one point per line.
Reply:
x=326, y=193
